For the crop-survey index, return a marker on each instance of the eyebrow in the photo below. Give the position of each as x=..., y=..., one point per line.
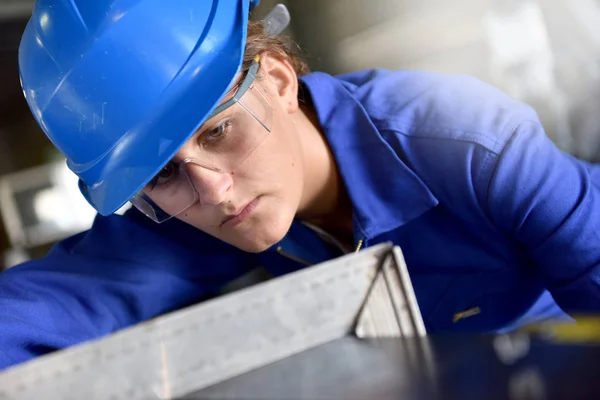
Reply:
x=231, y=92
x=228, y=95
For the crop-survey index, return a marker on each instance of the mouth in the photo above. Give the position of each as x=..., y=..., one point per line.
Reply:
x=241, y=215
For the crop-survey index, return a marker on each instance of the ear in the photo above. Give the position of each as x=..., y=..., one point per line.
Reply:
x=281, y=78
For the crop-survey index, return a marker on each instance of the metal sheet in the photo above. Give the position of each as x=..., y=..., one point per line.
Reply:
x=202, y=345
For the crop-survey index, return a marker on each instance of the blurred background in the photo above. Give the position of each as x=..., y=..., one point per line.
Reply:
x=545, y=53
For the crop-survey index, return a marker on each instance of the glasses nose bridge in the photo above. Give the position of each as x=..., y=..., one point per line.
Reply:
x=186, y=164
x=188, y=152
x=205, y=180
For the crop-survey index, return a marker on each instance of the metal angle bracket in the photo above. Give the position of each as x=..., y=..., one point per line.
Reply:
x=390, y=308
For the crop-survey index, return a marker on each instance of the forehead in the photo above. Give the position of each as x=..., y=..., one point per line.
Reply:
x=232, y=90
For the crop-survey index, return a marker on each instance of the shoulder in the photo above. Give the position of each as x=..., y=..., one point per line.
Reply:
x=439, y=107
x=450, y=130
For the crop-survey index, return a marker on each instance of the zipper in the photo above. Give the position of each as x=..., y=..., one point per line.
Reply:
x=325, y=236
x=301, y=261
x=292, y=257
x=359, y=245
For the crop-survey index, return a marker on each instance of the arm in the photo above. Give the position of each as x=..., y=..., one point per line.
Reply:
x=594, y=170
x=550, y=202
x=113, y=276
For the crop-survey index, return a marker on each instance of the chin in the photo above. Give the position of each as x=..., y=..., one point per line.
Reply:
x=256, y=247
x=263, y=236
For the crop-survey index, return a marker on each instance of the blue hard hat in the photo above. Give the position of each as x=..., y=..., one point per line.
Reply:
x=118, y=86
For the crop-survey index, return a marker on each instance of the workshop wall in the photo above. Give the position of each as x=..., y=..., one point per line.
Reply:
x=546, y=53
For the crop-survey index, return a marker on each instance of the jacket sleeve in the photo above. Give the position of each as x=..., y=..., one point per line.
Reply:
x=42, y=313
x=549, y=202
x=101, y=281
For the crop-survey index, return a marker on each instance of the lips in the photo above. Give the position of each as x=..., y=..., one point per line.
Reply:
x=240, y=216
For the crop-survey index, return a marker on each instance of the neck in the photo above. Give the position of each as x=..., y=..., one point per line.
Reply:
x=325, y=201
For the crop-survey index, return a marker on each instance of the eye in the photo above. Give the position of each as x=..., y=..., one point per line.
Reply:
x=219, y=131
x=167, y=174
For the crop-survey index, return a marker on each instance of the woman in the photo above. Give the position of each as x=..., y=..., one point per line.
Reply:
x=235, y=168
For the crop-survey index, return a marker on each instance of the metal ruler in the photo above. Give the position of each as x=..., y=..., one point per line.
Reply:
x=184, y=351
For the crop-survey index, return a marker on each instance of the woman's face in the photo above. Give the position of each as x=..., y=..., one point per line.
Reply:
x=252, y=205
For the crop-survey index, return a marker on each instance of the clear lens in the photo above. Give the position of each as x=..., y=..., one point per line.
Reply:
x=221, y=144
x=231, y=136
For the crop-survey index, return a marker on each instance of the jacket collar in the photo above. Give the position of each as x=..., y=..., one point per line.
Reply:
x=384, y=192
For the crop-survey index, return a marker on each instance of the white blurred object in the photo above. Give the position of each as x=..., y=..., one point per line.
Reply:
x=12, y=257
x=512, y=347
x=43, y=205
x=587, y=15
x=519, y=38
x=522, y=61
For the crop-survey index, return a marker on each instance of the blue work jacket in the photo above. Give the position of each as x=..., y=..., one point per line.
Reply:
x=498, y=227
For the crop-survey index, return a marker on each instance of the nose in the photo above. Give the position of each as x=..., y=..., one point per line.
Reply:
x=211, y=186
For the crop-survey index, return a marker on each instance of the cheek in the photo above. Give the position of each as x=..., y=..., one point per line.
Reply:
x=283, y=142
x=281, y=166
x=195, y=218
